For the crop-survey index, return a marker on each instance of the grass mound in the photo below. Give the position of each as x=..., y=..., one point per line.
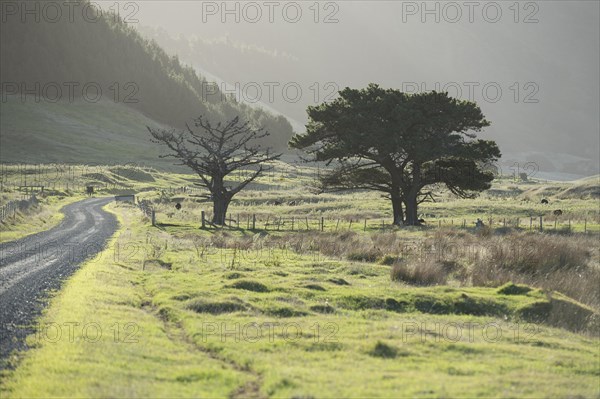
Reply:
x=215, y=308
x=233, y=275
x=315, y=287
x=250, y=285
x=338, y=281
x=284, y=311
x=562, y=313
x=514, y=289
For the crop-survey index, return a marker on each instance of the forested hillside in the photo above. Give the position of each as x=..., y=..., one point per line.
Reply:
x=68, y=60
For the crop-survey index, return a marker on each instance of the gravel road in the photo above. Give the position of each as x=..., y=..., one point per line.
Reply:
x=35, y=265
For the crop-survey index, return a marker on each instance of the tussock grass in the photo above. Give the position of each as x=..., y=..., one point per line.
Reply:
x=427, y=272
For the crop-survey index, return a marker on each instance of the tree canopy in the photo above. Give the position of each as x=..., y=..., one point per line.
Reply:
x=399, y=144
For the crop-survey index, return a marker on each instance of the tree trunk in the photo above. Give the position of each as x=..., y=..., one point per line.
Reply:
x=221, y=201
x=412, y=218
x=396, y=195
x=220, y=205
x=397, y=209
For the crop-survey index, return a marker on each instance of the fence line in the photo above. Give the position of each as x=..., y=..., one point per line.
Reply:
x=305, y=223
x=147, y=210
x=10, y=208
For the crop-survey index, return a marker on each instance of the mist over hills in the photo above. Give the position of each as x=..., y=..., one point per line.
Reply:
x=547, y=70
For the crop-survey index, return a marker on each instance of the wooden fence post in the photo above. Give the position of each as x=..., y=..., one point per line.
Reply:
x=541, y=223
x=365, y=228
x=322, y=223
x=530, y=222
x=203, y=220
x=585, y=226
x=253, y=221
x=292, y=223
x=153, y=214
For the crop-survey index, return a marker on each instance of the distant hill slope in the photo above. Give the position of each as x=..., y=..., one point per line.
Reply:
x=130, y=70
x=587, y=188
x=81, y=132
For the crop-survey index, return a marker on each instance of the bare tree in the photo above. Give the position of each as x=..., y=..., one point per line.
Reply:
x=214, y=152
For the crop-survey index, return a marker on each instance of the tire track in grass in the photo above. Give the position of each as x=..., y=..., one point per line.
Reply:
x=176, y=333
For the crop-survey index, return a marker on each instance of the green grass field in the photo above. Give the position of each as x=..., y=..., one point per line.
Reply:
x=176, y=311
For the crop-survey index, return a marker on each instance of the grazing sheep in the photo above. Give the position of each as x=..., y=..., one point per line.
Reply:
x=557, y=212
x=178, y=206
x=545, y=201
x=479, y=224
x=292, y=203
x=421, y=220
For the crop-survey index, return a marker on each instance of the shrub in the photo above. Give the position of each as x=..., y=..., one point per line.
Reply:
x=383, y=350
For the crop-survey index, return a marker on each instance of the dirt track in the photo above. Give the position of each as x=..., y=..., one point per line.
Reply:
x=33, y=266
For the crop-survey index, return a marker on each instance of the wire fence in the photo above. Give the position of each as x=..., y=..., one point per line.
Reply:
x=11, y=208
x=147, y=210
x=252, y=221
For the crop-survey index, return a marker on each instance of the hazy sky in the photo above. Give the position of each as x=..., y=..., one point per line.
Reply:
x=533, y=67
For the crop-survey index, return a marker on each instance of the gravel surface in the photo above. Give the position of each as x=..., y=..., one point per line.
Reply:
x=30, y=268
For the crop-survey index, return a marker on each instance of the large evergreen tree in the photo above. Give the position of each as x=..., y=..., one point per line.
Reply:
x=399, y=144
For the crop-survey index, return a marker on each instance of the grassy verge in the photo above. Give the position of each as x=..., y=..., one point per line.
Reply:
x=160, y=314
x=42, y=217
